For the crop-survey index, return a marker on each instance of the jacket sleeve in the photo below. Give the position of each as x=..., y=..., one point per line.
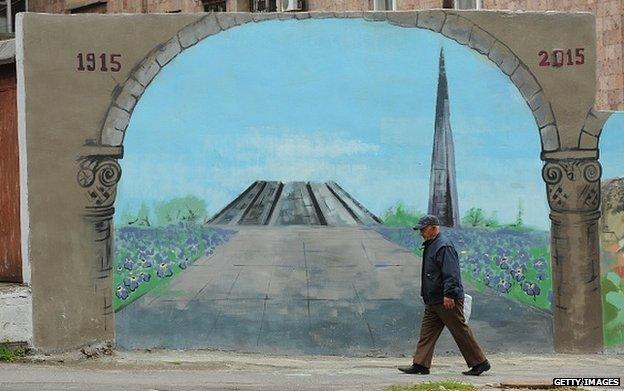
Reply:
x=451, y=274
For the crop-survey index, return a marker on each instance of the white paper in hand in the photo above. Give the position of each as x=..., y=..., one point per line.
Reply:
x=467, y=306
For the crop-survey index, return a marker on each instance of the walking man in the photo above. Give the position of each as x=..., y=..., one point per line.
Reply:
x=443, y=294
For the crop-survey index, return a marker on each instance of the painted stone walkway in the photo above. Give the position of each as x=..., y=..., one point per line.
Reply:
x=312, y=290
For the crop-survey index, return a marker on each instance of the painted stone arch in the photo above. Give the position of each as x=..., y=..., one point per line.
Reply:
x=450, y=25
x=571, y=172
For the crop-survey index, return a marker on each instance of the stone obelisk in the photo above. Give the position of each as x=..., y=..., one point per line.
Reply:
x=442, y=183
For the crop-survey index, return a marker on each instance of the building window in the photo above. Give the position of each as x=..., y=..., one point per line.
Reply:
x=263, y=6
x=214, y=6
x=467, y=4
x=384, y=5
x=94, y=7
x=8, y=10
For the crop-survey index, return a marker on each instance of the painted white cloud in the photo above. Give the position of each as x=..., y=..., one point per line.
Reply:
x=289, y=145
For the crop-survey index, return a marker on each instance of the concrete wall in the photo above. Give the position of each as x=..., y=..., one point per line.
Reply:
x=609, y=18
x=74, y=120
x=15, y=314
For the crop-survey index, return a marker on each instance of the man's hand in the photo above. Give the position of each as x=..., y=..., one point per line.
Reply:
x=449, y=303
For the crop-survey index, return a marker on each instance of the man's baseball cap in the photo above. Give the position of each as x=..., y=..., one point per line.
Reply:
x=425, y=221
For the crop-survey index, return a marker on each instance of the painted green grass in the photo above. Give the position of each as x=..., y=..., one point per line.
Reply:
x=401, y=216
x=481, y=251
x=541, y=301
x=158, y=254
x=154, y=284
x=450, y=385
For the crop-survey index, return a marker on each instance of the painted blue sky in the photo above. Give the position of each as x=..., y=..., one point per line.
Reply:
x=612, y=147
x=344, y=100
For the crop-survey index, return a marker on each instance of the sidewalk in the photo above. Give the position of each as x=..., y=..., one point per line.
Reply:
x=192, y=370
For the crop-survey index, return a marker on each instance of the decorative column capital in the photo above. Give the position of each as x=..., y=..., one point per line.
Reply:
x=573, y=185
x=98, y=173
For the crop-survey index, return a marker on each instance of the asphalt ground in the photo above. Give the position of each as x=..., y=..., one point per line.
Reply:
x=215, y=370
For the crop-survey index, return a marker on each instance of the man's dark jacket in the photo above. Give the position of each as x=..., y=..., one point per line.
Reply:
x=440, y=271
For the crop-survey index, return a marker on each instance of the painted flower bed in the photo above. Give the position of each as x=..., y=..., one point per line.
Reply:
x=515, y=263
x=146, y=258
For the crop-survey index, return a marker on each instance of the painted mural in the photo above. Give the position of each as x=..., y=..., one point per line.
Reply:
x=276, y=216
x=248, y=181
x=612, y=231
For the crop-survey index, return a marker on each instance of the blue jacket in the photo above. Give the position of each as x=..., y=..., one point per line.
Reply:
x=440, y=275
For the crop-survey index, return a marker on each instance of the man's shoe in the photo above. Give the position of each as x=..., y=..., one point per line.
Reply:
x=415, y=369
x=478, y=369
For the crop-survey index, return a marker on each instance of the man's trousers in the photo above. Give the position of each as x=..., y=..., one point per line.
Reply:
x=433, y=322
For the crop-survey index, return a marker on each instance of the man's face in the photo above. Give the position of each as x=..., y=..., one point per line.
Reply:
x=425, y=231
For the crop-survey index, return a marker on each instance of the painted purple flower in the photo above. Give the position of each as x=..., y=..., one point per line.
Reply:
x=145, y=277
x=489, y=279
x=184, y=264
x=128, y=264
x=503, y=286
x=131, y=283
x=121, y=292
x=539, y=264
x=531, y=289
x=518, y=274
x=146, y=262
x=164, y=270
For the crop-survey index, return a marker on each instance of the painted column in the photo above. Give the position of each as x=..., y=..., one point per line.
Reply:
x=573, y=187
x=98, y=175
